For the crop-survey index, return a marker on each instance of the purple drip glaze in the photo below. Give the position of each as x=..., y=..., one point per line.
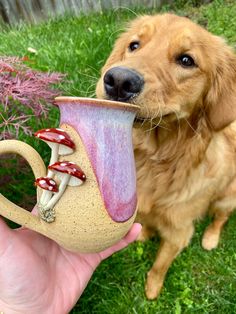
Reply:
x=106, y=133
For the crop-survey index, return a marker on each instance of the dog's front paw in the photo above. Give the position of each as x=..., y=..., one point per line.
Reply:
x=153, y=285
x=210, y=239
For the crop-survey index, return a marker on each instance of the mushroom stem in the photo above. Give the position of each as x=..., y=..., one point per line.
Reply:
x=53, y=159
x=45, y=197
x=58, y=195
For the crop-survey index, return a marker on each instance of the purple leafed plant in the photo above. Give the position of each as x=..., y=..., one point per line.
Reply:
x=24, y=93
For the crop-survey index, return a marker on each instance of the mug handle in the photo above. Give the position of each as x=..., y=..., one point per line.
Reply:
x=7, y=208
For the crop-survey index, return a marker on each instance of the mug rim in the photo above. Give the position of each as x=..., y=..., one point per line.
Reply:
x=96, y=101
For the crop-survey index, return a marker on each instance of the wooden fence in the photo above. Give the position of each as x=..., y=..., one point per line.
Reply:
x=14, y=11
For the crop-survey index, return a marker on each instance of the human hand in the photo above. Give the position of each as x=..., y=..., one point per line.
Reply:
x=39, y=276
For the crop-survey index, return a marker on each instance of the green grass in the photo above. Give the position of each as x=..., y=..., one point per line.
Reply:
x=198, y=281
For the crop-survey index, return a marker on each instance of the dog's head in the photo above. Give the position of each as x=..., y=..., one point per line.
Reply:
x=171, y=67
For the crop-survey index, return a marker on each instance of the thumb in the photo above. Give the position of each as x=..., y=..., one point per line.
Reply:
x=130, y=237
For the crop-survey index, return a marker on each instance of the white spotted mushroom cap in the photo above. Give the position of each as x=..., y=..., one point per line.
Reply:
x=46, y=183
x=77, y=176
x=57, y=136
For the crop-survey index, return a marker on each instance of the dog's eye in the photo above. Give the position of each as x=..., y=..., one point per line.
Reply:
x=185, y=61
x=134, y=45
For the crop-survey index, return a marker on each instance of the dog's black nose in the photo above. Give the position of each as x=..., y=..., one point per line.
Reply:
x=122, y=84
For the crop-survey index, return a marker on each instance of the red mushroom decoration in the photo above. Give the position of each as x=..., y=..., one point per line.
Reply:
x=59, y=142
x=70, y=174
x=49, y=187
x=47, y=184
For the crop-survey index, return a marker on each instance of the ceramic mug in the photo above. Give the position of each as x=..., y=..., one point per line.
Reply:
x=92, y=204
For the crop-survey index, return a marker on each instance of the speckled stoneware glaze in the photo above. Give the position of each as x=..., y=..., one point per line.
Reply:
x=98, y=213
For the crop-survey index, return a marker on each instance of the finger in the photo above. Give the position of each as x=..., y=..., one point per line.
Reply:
x=131, y=236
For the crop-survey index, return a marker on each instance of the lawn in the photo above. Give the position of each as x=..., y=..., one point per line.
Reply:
x=198, y=281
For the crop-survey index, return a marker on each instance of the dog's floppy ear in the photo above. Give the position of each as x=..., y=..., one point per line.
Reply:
x=221, y=97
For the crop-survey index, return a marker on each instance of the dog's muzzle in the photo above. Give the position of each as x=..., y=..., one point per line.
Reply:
x=122, y=84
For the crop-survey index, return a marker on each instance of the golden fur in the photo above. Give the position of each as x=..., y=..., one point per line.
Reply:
x=185, y=141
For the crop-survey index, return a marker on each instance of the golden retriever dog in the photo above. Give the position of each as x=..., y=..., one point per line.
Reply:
x=184, y=80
